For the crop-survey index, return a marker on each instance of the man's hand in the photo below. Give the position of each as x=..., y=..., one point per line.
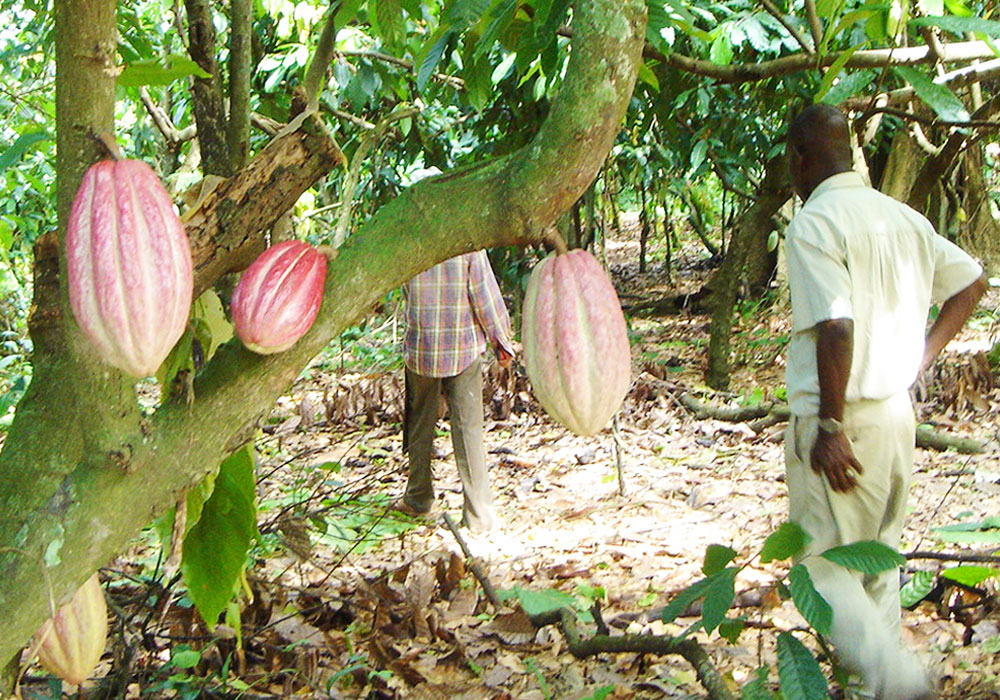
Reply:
x=833, y=456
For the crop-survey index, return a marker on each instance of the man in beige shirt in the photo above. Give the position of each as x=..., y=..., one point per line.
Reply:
x=863, y=271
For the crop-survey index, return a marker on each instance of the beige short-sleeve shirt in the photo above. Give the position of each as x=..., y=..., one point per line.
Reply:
x=855, y=253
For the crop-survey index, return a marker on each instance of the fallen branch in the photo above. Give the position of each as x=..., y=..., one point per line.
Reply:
x=475, y=565
x=947, y=556
x=767, y=414
x=689, y=649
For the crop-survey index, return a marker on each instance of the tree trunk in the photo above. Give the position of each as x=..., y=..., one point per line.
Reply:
x=754, y=224
x=644, y=227
x=99, y=470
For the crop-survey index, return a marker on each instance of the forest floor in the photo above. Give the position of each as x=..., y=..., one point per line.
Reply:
x=381, y=606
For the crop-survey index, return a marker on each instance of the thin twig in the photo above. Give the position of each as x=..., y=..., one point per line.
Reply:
x=796, y=34
x=947, y=556
x=474, y=565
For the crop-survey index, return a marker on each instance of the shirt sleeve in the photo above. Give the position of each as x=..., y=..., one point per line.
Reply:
x=954, y=269
x=487, y=302
x=819, y=281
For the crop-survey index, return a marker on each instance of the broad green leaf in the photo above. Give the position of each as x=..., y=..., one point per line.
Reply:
x=683, y=599
x=185, y=657
x=757, y=689
x=646, y=75
x=958, y=8
x=208, y=308
x=21, y=146
x=808, y=600
x=968, y=537
x=834, y=71
x=719, y=597
x=538, y=602
x=868, y=557
x=721, y=51
x=849, y=86
x=502, y=16
x=432, y=56
x=784, y=543
x=215, y=550
x=730, y=630
x=177, y=360
x=916, y=589
x=717, y=557
x=698, y=154
x=970, y=575
x=798, y=671
x=389, y=17
x=160, y=71
x=990, y=523
x=938, y=97
x=501, y=71
x=463, y=13
x=960, y=25
x=347, y=11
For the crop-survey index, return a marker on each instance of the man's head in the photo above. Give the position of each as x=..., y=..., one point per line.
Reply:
x=818, y=146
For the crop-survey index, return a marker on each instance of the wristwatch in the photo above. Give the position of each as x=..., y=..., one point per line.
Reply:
x=831, y=426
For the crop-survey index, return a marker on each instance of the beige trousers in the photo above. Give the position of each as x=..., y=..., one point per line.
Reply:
x=866, y=624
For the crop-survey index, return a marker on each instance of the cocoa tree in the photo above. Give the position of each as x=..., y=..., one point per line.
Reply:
x=83, y=469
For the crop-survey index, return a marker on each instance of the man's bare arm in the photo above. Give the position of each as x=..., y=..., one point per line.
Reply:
x=953, y=315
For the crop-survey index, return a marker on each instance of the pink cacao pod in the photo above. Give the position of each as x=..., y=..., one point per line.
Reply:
x=277, y=298
x=71, y=643
x=129, y=266
x=576, y=349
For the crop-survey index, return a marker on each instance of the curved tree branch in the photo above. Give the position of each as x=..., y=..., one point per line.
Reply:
x=874, y=58
x=166, y=127
x=507, y=201
x=815, y=25
x=789, y=27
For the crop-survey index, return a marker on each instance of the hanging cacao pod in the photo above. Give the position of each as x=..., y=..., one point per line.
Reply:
x=277, y=298
x=129, y=265
x=576, y=349
x=71, y=643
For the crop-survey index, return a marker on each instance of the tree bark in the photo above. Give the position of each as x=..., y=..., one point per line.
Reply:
x=510, y=200
x=206, y=93
x=755, y=223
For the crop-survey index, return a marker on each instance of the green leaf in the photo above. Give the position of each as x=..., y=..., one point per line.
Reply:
x=683, y=599
x=698, y=154
x=757, y=689
x=834, y=71
x=432, y=55
x=785, y=542
x=646, y=75
x=160, y=71
x=916, y=589
x=721, y=51
x=730, y=630
x=960, y=25
x=868, y=557
x=938, y=97
x=808, y=600
x=177, y=360
x=719, y=597
x=347, y=11
x=208, y=308
x=538, y=602
x=185, y=657
x=501, y=16
x=215, y=550
x=717, y=557
x=798, y=671
x=464, y=13
x=970, y=575
x=389, y=17
x=849, y=86
x=21, y=146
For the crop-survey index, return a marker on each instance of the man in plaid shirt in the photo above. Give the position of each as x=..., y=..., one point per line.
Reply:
x=453, y=312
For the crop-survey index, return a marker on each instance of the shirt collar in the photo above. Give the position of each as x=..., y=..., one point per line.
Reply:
x=848, y=178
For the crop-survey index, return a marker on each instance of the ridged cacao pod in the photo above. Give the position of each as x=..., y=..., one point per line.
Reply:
x=129, y=266
x=278, y=297
x=576, y=349
x=71, y=643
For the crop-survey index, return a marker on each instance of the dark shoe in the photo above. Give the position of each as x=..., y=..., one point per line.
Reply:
x=428, y=513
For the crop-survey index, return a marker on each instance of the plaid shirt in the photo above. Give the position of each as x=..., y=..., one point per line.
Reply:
x=453, y=310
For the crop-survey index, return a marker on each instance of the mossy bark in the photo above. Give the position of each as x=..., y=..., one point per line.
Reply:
x=82, y=471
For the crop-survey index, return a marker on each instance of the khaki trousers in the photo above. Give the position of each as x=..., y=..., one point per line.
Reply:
x=464, y=394
x=866, y=616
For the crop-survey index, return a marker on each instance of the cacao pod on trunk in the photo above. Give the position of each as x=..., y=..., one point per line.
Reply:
x=129, y=265
x=71, y=643
x=576, y=349
x=277, y=298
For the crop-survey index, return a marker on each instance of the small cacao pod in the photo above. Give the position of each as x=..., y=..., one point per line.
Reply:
x=277, y=298
x=71, y=643
x=576, y=349
x=129, y=265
